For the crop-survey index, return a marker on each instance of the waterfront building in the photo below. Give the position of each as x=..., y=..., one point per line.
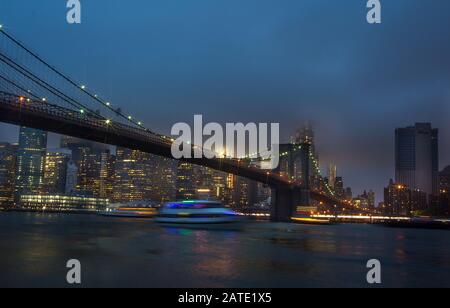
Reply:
x=8, y=154
x=361, y=203
x=444, y=192
x=30, y=162
x=62, y=203
x=399, y=199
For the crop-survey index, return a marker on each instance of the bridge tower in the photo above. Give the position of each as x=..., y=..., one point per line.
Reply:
x=286, y=199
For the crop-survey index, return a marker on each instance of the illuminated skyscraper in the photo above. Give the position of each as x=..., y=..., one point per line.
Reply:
x=245, y=194
x=105, y=186
x=339, y=188
x=7, y=173
x=131, y=175
x=186, y=181
x=55, y=171
x=89, y=158
x=162, y=179
x=30, y=162
x=417, y=158
x=332, y=173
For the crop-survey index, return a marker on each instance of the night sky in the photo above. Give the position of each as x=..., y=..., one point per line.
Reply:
x=284, y=61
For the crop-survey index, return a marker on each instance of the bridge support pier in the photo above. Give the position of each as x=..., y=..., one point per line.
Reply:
x=285, y=202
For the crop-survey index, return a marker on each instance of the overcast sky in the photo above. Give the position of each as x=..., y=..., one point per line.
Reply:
x=284, y=61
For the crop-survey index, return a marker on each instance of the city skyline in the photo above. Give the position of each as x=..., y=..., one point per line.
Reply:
x=227, y=144
x=382, y=79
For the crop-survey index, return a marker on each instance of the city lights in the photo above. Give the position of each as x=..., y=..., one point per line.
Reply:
x=324, y=163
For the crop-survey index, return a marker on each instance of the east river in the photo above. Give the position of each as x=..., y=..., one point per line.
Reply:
x=121, y=252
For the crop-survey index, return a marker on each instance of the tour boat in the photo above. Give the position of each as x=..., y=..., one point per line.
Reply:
x=196, y=212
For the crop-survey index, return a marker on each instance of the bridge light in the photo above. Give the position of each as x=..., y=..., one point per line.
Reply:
x=108, y=121
x=107, y=103
x=44, y=99
x=21, y=99
x=129, y=118
x=139, y=123
x=83, y=87
x=1, y=27
x=82, y=111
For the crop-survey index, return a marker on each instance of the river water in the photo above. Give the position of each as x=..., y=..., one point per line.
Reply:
x=121, y=252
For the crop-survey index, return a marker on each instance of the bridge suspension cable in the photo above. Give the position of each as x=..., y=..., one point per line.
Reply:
x=76, y=85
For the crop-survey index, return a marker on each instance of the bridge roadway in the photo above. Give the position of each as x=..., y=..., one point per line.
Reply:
x=18, y=110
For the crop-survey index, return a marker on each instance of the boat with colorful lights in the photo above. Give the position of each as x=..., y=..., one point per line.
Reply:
x=196, y=212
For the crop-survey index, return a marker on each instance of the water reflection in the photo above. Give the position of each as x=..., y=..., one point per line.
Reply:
x=127, y=252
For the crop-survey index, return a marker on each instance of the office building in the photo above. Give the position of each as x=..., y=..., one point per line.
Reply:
x=8, y=154
x=417, y=158
x=30, y=162
x=55, y=171
x=62, y=203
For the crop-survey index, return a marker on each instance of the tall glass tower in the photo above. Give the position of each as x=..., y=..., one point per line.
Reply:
x=30, y=162
x=417, y=158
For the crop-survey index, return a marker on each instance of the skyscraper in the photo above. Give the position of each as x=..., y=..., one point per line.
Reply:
x=7, y=173
x=186, y=188
x=339, y=187
x=417, y=158
x=332, y=173
x=71, y=178
x=162, y=179
x=30, y=162
x=132, y=169
x=89, y=158
x=55, y=171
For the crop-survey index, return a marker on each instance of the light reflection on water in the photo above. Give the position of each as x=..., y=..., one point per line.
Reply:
x=127, y=252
